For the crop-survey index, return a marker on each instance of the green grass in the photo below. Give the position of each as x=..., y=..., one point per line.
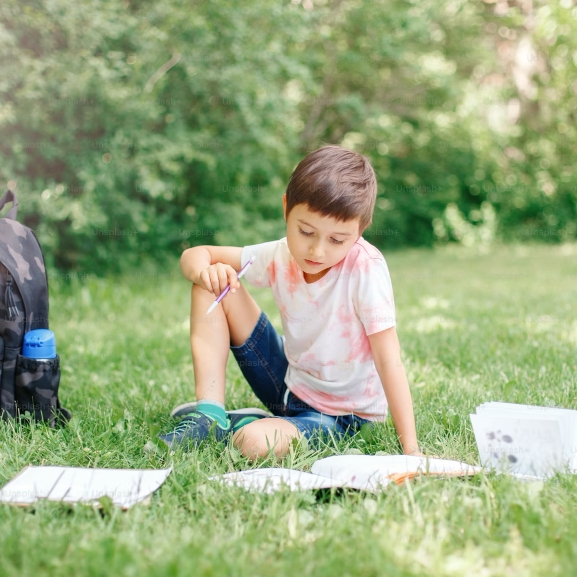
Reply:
x=473, y=327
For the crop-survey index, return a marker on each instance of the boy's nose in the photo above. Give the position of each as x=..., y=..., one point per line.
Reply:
x=316, y=251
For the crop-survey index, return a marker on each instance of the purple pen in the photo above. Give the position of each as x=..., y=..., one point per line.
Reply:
x=225, y=291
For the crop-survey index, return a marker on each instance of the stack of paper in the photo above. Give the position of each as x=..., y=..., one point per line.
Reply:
x=524, y=440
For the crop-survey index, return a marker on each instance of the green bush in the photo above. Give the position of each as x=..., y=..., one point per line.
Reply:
x=136, y=129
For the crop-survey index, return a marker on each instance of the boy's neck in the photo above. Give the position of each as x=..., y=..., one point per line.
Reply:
x=311, y=278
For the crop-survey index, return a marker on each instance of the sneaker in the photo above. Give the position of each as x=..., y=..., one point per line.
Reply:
x=238, y=417
x=190, y=407
x=194, y=428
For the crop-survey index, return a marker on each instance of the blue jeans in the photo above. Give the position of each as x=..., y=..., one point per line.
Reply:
x=263, y=363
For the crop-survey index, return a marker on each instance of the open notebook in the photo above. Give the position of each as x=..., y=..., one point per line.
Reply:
x=526, y=441
x=368, y=472
x=125, y=487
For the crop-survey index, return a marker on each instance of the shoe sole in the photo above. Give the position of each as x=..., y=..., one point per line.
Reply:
x=185, y=408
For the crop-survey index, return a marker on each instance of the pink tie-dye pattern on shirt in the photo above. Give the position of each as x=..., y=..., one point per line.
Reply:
x=292, y=276
x=272, y=272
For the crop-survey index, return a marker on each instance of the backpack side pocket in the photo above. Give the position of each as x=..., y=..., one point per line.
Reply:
x=36, y=388
x=2, y=413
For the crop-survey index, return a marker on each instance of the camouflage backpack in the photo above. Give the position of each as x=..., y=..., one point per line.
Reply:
x=26, y=385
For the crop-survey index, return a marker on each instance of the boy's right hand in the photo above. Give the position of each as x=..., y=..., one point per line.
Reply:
x=216, y=277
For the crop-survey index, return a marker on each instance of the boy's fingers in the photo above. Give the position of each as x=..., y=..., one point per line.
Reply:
x=223, y=280
x=233, y=281
x=215, y=282
x=207, y=284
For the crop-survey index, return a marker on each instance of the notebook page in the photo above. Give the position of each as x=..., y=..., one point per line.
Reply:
x=567, y=422
x=565, y=417
x=73, y=484
x=269, y=480
x=520, y=446
x=374, y=472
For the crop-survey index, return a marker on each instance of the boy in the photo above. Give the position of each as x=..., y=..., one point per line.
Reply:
x=338, y=364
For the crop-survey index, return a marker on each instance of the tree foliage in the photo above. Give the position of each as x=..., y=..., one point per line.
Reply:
x=136, y=129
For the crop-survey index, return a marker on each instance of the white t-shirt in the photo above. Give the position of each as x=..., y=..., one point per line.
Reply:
x=326, y=325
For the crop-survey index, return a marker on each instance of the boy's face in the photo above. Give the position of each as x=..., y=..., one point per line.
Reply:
x=312, y=238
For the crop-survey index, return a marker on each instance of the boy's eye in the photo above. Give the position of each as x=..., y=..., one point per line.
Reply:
x=335, y=241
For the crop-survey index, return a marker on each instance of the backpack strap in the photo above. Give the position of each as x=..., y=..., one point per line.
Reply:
x=10, y=197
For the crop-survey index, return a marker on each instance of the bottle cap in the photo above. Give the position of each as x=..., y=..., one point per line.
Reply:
x=39, y=344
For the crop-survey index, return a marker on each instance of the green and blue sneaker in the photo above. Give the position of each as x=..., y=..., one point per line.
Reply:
x=238, y=417
x=194, y=428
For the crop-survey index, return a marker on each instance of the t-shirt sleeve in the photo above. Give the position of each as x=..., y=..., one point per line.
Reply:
x=261, y=272
x=373, y=296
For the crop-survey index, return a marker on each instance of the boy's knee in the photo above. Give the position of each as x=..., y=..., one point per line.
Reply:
x=197, y=289
x=251, y=440
x=258, y=438
x=197, y=293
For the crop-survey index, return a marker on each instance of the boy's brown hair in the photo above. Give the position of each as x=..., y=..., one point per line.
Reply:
x=336, y=182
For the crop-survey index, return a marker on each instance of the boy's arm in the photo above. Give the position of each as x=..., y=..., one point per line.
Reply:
x=387, y=356
x=195, y=259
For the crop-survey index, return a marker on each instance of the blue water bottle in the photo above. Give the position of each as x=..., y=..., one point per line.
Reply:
x=39, y=344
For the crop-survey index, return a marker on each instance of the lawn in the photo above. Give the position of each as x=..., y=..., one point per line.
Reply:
x=473, y=327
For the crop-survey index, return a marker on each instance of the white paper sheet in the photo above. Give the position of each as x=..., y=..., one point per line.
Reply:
x=125, y=487
x=519, y=445
x=567, y=419
x=375, y=472
x=269, y=480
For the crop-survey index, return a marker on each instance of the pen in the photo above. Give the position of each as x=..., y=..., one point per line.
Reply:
x=225, y=291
